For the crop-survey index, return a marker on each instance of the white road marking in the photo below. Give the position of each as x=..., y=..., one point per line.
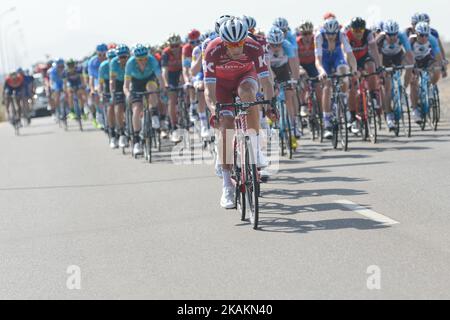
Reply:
x=372, y=215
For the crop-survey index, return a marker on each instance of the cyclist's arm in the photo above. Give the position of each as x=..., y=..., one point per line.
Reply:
x=210, y=96
x=112, y=82
x=294, y=61
x=319, y=53
x=348, y=51
x=127, y=86
x=373, y=48
x=196, y=67
x=186, y=68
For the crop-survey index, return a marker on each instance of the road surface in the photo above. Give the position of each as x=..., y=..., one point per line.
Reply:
x=372, y=223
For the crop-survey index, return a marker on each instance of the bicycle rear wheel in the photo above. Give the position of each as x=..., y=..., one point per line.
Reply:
x=435, y=109
x=240, y=196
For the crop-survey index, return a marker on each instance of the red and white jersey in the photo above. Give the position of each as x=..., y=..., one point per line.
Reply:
x=219, y=65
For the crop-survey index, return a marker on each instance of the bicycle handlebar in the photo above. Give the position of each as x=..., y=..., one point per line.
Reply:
x=396, y=68
x=243, y=106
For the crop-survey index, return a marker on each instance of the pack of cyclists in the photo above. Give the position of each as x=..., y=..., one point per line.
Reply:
x=236, y=61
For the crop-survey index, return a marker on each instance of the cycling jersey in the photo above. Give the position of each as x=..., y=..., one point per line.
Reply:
x=132, y=70
x=116, y=70
x=306, y=53
x=196, y=56
x=332, y=59
x=93, y=68
x=392, y=49
x=187, y=55
x=218, y=64
x=56, y=79
x=103, y=75
x=171, y=59
x=73, y=78
x=140, y=79
x=14, y=83
x=422, y=51
x=360, y=47
x=281, y=58
x=262, y=41
x=292, y=39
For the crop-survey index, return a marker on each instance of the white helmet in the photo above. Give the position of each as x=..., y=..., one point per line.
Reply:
x=234, y=30
x=222, y=20
x=251, y=22
x=391, y=27
x=415, y=18
x=423, y=28
x=332, y=26
x=423, y=17
x=281, y=23
x=275, y=36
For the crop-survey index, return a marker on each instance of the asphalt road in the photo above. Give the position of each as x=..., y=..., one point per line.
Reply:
x=139, y=231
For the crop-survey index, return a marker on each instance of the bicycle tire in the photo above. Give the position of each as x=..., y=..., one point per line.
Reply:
x=251, y=185
x=435, y=109
x=343, y=125
x=240, y=201
x=372, y=122
x=406, y=112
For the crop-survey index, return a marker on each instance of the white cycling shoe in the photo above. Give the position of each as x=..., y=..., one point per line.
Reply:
x=205, y=133
x=175, y=137
x=114, y=144
x=228, y=197
x=156, y=124
x=123, y=142
x=137, y=150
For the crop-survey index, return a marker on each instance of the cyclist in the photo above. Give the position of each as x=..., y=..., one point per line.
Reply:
x=93, y=68
x=105, y=96
x=28, y=92
x=14, y=85
x=171, y=73
x=233, y=63
x=307, y=57
x=367, y=56
x=334, y=54
x=424, y=17
x=75, y=85
x=56, y=77
x=427, y=55
x=396, y=51
x=284, y=65
x=117, y=81
x=142, y=73
x=193, y=41
x=198, y=77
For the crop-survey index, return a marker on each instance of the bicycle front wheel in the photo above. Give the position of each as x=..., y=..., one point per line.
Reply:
x=343, y=125
x=251, y=185
x=406, y=113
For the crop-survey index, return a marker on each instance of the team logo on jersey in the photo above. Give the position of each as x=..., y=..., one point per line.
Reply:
x=262, y=61
x=233, y=65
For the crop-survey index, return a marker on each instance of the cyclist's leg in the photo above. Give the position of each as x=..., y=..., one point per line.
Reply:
x=174, y=81
x=152, y=86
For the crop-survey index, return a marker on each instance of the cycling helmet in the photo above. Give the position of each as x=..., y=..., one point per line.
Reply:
x=423, y=28
x=60, y=62
x=415, y=18
x=379, y=27
x=102, y=48
x=174, y=39
x=71, y=63
x=221, y=21
x=275, y=36
x=112, y=53
x=112, y=46
x=140, y=51
x=19, y=70
x=123, y=50
x=391, y=27
x=234, y=30
x=281, y=23
x=423, y=17
x=306, y=26
x=332, y=26
x=358, y=23
x=250, y=21
x=194, y=35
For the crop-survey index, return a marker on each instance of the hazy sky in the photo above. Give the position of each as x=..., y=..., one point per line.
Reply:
x=72, y=28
